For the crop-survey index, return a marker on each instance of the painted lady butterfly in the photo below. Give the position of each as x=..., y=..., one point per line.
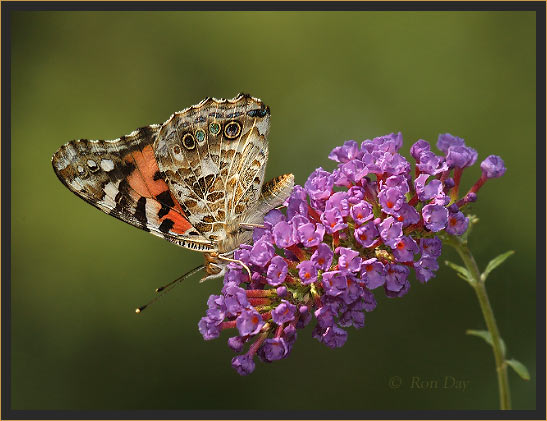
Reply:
x=197, y=180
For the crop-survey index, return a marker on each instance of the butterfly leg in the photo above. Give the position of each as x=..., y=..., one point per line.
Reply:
x=227, y=259
x=215, y=265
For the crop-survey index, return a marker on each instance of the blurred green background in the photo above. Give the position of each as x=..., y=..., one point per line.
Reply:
x=78, y=274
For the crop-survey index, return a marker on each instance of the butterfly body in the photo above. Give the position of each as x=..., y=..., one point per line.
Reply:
x=194, y=180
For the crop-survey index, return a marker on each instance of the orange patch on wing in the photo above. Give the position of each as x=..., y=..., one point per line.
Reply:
x=181, y=224
x=142, y=178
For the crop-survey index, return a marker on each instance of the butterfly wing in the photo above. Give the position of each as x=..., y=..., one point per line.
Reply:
x=122, y=178
x=246, y=158
x=214, y=156
x=192, y=180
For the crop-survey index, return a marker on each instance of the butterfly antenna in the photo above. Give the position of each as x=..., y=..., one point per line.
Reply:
x=168, y=287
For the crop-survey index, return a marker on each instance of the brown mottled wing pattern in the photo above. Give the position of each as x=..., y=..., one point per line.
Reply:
x=214, y=157
x=122, y=178
x=193, y=180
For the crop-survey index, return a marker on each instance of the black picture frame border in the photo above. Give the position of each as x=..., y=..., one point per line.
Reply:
x=7, y=7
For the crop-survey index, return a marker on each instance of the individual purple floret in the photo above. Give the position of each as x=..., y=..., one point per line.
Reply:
x=391, y=231
x=457, y=223
x=396, y=284
x=283, y=234
x=372, y=222
x=273, y=350
x=405, y=250
x=262, y=252
x=362, y=212
x=435, y=217
x=319, y=185
x=446, y=140
x=277, y=271
x=307, y=272
x=460, y=156
x=425, y=268
x=249, y=322
x=345, y=153
x=366, y=235
x=243, y=364
x=431, y=247
x=373, y=273
x=493, y=167
x=284, y=312
x=322, y=257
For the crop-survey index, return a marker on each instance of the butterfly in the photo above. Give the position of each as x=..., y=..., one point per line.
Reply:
x=196, y=180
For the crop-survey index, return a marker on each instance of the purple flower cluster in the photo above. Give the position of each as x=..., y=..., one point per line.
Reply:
x=368, y=224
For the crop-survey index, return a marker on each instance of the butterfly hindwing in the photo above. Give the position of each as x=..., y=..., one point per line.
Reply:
x=214, y=156
x=122, y=178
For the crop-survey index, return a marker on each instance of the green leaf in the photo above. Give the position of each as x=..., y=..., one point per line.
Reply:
x=494, y=263
x=463, y=277
x=519, y=368
x=484, y=334
x=462, y=272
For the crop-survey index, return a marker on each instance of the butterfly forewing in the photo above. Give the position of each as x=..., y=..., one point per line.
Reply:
x=122, y=178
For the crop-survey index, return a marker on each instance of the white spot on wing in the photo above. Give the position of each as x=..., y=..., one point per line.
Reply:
x=61, y=163
x=76, y=184
x=107, y=164
x=263, y=126
x=111, y=190
x=151, y=209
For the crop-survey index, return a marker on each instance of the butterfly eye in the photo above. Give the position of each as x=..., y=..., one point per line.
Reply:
x=188, y=141
x=214, y=128
x=232, y=130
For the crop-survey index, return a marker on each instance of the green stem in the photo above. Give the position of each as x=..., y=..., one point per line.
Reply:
x=480, y=289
